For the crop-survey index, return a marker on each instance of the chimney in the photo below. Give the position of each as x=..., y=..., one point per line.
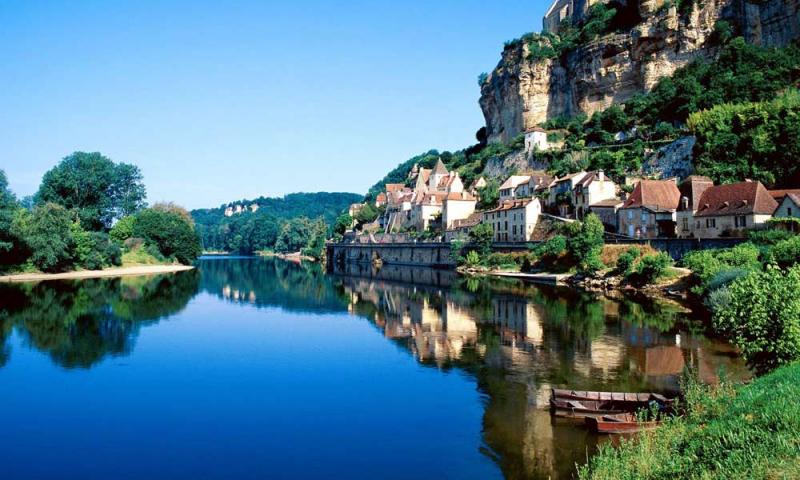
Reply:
x=601, y=176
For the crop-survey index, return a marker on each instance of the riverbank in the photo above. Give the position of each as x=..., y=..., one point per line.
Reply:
x=292, y=257
x=748, y=431
x=83, y=274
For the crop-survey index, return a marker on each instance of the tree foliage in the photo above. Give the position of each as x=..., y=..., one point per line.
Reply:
x=48, y=234
x=170, y=231
x=95, y=187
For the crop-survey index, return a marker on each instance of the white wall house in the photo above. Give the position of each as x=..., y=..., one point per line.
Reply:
x=536, y=140
x=514, y=221
x=593, y=188
x=508, y=190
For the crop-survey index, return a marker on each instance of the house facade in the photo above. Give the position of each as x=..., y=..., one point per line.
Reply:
x=650, y=211
x=789, y=207
x=692, y=188
x=560, y=199
x=508, y=190
x=515, y=220
x=730, y=210
x=536, y=140
x=538, y=181
x=593, y=188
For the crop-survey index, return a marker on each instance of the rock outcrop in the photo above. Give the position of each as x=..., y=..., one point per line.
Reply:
x=520, y=94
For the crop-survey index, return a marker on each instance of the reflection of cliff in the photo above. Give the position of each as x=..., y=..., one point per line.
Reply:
x=80, y=323
x=269, y=282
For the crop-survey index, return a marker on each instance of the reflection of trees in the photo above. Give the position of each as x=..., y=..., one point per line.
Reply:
x=79, y=323
x=267, y=282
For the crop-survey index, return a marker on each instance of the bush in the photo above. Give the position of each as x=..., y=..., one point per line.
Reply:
x=94, y=250
x=482, y=237
x=170, y=232
x=762, y=317
x=652, y=268
x=706, y=264
x=123, y=229
x=473, y=259
x=787, y=252
x=725, y=277
x=626, y=261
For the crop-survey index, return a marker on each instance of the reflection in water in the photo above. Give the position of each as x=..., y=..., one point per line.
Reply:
x=516, y=341
x=519, y=341
x=78, y=323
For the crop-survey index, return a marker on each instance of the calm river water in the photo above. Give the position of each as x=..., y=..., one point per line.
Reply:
x=259, y=368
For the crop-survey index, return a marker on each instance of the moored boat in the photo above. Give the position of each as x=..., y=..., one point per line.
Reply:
x=619, y=423
x=581, y=404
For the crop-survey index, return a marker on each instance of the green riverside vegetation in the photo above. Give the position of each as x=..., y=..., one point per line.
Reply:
x=749, y=431
x=90, y=213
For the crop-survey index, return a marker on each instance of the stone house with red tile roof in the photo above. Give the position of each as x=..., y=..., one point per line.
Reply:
x=650, y=210
x=732, y=209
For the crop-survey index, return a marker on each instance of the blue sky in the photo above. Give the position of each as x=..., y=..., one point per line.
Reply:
x=217, y=101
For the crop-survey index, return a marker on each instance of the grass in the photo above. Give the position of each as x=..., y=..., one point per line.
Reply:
x=752, y=431
x=138, y=257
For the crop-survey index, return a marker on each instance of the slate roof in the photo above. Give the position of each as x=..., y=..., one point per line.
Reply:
x=514, y=181
x=779, y=195
x=470, y=221
x=655, y=195
x=741, y=198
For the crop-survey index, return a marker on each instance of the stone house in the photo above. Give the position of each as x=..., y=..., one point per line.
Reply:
x=594, y=187
x=692, y=188
x=460, y=228
x=515, y=220
x=789, y=206
x=731, y=210
x=538, y=181
x=508, y=190
x=560, y=199
x=536, y=140
x=607, y=211
x=650, y=210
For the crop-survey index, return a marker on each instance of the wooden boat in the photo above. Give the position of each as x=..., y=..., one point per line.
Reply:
x=619, y=423
x=581, y=404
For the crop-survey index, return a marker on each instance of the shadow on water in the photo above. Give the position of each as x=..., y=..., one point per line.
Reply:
x=516, y=341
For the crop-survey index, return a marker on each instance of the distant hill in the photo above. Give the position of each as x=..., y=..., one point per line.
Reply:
x=312, y=205
x=252, y=225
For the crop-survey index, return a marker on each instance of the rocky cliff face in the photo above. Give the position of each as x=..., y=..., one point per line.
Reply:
x=520, y=94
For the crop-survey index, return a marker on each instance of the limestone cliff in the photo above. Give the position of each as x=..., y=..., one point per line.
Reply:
x=520, y=94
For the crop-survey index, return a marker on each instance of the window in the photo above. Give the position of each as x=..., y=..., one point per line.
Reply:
x=740, y=221
x=644, y=216
x=514, y=229
x=788, y=211
x=630, y=214
x=685, y=224
x=711, y=223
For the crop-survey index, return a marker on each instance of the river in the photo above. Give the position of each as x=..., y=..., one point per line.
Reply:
x=262, y=368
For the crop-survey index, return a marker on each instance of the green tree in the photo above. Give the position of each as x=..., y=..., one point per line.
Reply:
x=367, y=214
x=294, y=236
x=170, y=231
x=585, y=243
x=343, y=223
x=316, y=244
x=12, y=249
x=95, y=187
x=482, y=237
x=123, y=229
x=489, y=195
x=49, y=236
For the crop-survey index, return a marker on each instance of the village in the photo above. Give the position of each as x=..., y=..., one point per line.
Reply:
x=436, y=201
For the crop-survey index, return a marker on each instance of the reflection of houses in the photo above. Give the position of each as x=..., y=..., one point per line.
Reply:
x=519, y=318
x=236, y=295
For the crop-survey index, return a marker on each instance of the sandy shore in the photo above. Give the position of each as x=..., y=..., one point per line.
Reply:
x=111, y=272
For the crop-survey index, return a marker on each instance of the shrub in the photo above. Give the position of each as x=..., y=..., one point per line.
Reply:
x=626, y=261
x=482, y=236
x=762, y=317
x=787, y=252
x=473, y=259
x=504, y=260
x=652, y=268
x=94, y=250
x=170, y=232
x=725, y=277
x=123, y=229
x=706, y=264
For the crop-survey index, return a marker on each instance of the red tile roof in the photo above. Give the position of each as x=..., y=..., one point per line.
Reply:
x=470, y=221
x=656, y=195
x=741, y=198
x=780, y=194
x=394, y=187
